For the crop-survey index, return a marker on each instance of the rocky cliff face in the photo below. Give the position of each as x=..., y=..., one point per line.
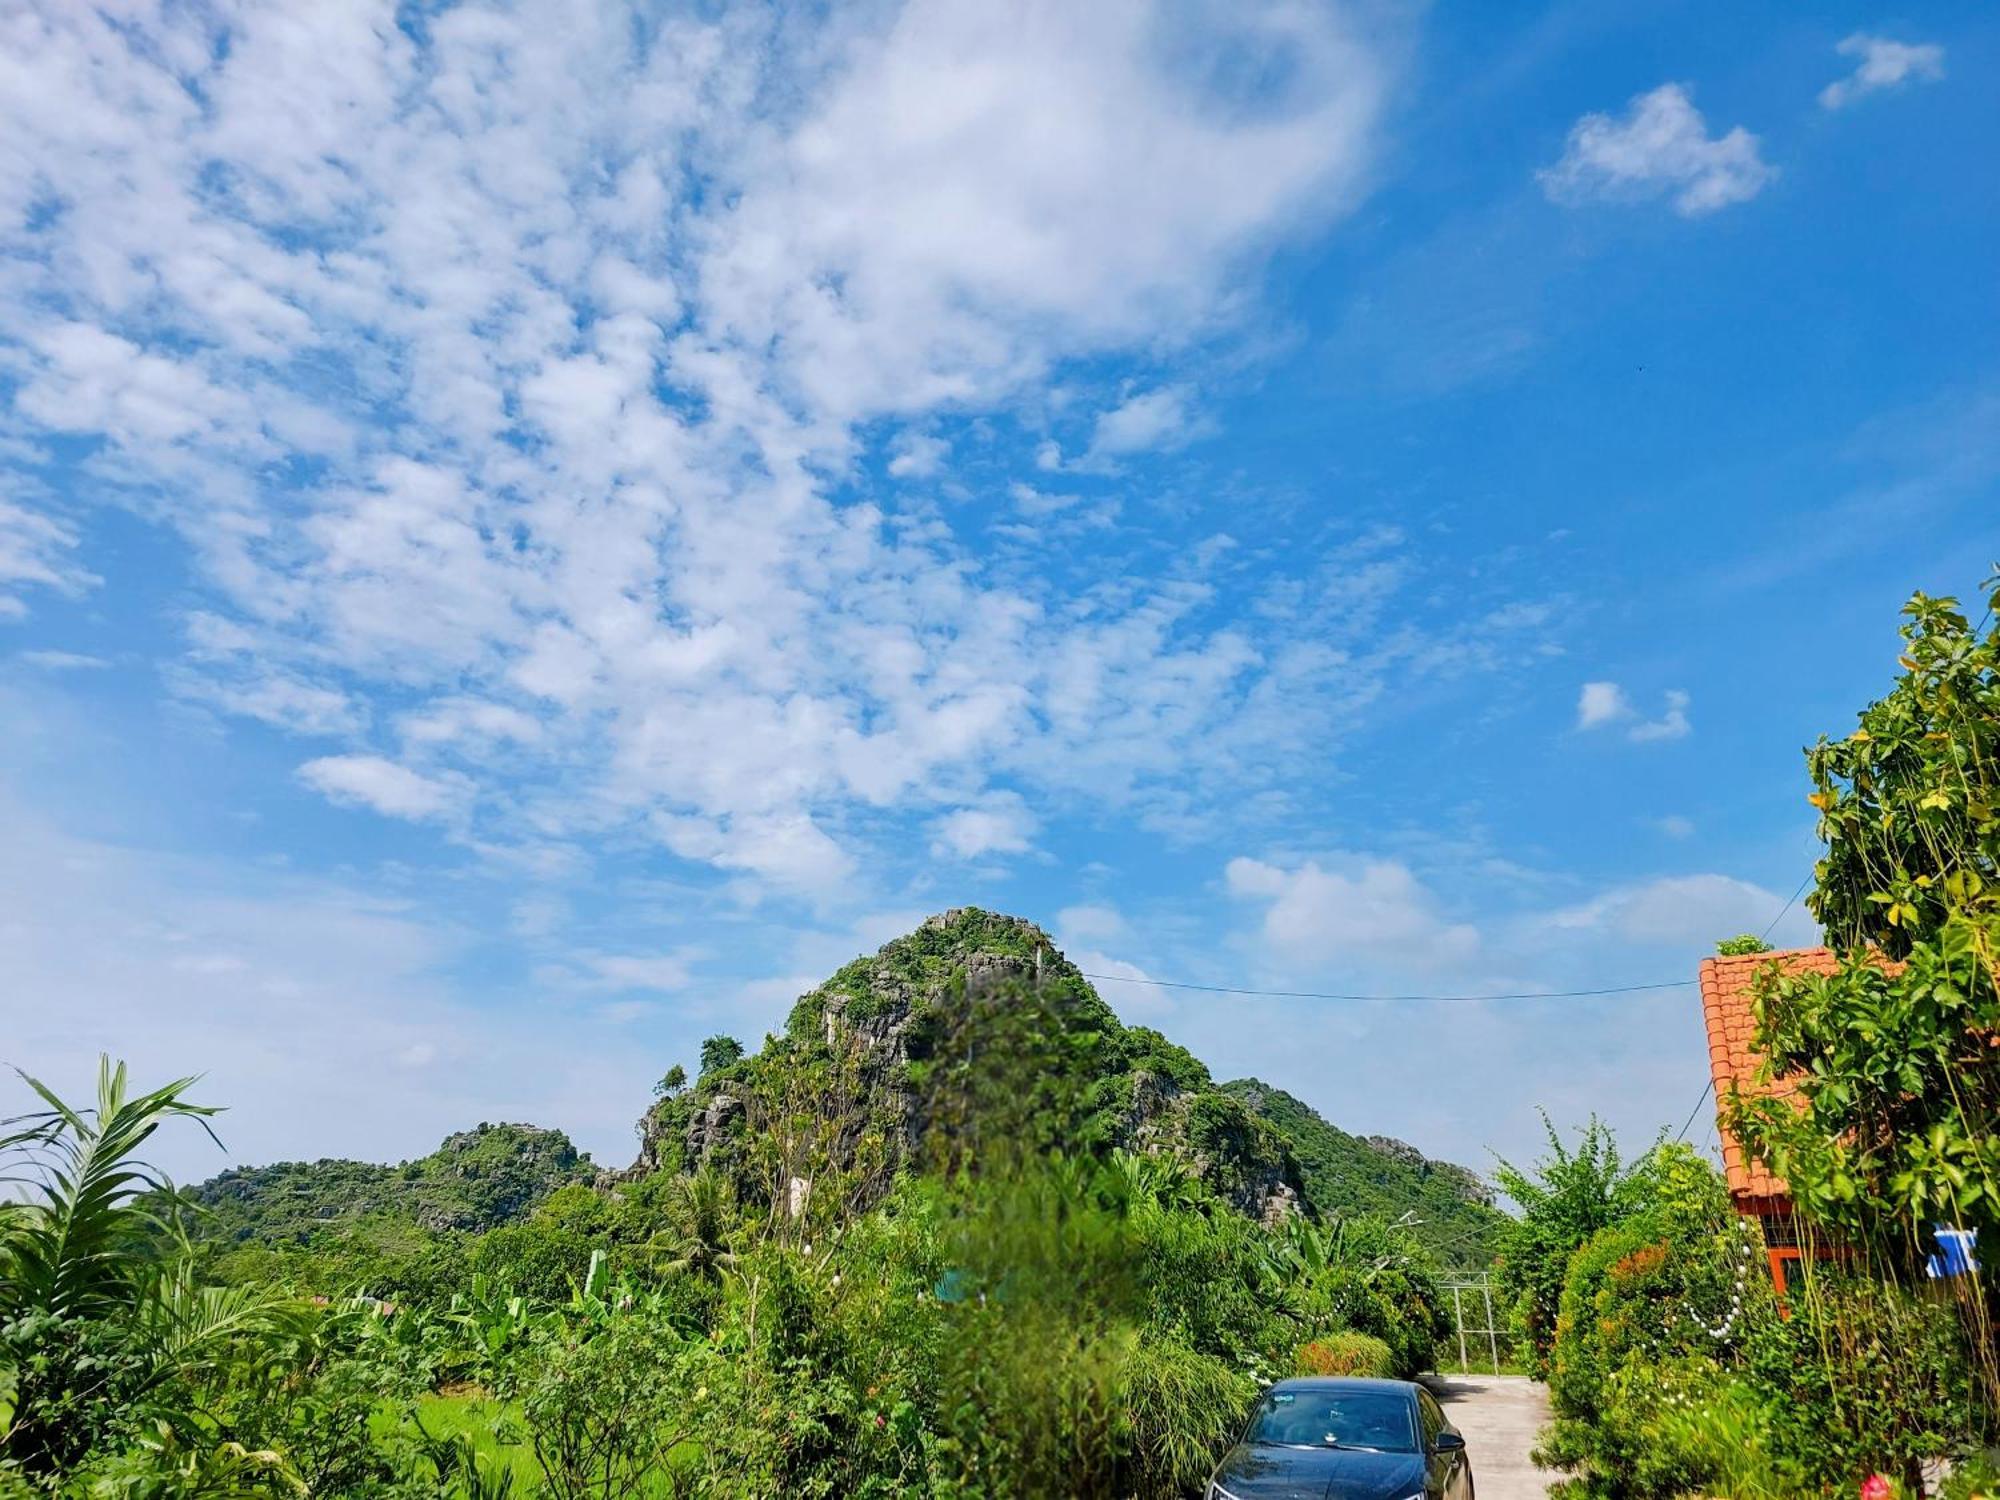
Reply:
x=1461, y=1182
x=876, y=1023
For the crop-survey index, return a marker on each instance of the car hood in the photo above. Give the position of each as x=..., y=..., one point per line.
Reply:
x=1270, y=1473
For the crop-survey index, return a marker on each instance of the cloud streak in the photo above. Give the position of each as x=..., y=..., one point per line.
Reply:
x=1881, y=64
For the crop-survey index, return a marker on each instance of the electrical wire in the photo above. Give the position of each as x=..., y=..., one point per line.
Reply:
x=1230, y=989
x=1706, y=1090
x=1787, y=906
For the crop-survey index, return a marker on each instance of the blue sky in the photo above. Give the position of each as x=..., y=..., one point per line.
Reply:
x=530, y=535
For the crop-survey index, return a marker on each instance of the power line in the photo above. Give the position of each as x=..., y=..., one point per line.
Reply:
x=1787, y=907
x=1681, y=1135
x=1230, y=989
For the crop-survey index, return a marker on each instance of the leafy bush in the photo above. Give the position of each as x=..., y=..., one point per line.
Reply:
x=1864, y=1377
x=1183, y=1409
x=1654, y=1307
x=604, y=1411
x=1569, y=1196
x=1345, y=1354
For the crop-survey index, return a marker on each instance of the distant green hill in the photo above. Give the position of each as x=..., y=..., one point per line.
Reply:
x=1347, y=1174
x=477, y=1180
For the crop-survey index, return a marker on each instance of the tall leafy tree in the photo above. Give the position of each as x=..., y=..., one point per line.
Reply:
x=719, y=1052
x=1895, y=1125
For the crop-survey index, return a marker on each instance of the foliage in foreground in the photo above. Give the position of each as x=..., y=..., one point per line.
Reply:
x=1073, y=1324
x=1896, y=1125
x=1672, y=1372
x=1671, y=1367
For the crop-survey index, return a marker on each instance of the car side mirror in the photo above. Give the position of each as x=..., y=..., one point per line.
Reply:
x=1447, y=1442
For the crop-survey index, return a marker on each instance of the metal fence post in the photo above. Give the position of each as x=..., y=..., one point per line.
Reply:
x=1492, y=1323
x=1458, y=1317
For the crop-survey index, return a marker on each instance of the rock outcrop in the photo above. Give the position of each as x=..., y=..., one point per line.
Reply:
x=876, y=1022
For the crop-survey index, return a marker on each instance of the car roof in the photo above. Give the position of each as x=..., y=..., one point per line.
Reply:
x=1344, y=1383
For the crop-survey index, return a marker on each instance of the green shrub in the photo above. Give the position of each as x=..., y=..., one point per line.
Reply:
x=1654, y=1308
x=1978, y=1478
x=1345, y=1354
x=605, y=1412
x=1864, y=1377
x=1569, y=1196
x=538, y=1259
x=1183, y=1410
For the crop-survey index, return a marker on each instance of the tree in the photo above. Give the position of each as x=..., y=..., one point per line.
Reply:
x=675, y=1080
x=701, y=1217
x=719, y=1052
x=1569, y=1196
x=1898, y=1079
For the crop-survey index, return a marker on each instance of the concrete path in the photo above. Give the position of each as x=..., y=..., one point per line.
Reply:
x=1501, y=1416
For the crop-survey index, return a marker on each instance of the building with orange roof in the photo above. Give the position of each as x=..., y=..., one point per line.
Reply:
x=1728, y=991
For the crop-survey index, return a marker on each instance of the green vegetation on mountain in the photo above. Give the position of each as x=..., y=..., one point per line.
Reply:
x=1344, y=1175
x=866, y=1078
x=1008, y=1319
x=861, y=1084
x=477, y=1180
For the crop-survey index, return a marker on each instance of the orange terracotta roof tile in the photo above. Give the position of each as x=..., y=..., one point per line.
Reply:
x=1727, y=987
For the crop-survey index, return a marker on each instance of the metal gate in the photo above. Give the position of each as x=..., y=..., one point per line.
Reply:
x=1472, y=1315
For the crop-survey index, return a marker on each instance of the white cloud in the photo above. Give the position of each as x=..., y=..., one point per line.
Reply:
x=1602, y=704
x=1662, y=145
x=1078, y=925
x=1688, y=911
x=62, y=661
x=538, y=916
x=1144, y=420
x=451, y=719
x=1125, y=986
x=978, y=174
x=789, y=850
x=390, y=789
x=286, y=993
x=637, y=971
x=624, y=1012
x=1882, y=64
x=1675, y=826
x=1671, y=725
x=1361, y=909
x=36, y=550
x=1000, y=825
x=919, y=456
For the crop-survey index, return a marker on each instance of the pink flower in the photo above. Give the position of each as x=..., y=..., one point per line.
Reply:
x=1877, y=1487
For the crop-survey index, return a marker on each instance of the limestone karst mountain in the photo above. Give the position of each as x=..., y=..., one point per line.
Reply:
x=971, y=1034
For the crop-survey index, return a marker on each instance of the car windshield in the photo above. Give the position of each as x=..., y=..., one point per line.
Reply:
x=1346, y=1419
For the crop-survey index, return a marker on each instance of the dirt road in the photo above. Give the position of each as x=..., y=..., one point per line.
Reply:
x=1500, y=1416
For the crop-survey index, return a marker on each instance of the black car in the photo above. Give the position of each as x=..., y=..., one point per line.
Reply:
x=1326, y=1438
